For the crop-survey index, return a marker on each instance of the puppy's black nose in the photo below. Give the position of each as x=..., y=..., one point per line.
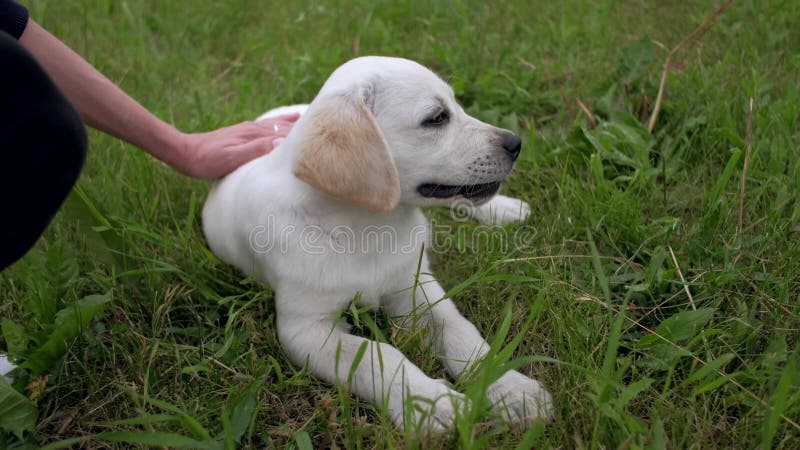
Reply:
x=512, y=144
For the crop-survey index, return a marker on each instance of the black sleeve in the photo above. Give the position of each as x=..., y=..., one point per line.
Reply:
x=13, y=18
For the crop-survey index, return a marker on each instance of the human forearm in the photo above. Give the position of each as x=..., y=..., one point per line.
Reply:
x=101, y=104
x=106, y=107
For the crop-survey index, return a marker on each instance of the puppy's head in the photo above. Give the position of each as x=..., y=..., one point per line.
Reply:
x=388, y=130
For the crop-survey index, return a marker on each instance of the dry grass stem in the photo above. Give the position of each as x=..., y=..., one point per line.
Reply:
x=585, y=109
x=696, y=34
x=683, y=280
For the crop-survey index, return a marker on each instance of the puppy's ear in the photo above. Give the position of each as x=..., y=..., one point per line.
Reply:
x=342, y=152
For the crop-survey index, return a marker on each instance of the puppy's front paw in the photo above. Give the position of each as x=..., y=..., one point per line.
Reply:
x=501, y=210
x=520, y=400
x=432, y=411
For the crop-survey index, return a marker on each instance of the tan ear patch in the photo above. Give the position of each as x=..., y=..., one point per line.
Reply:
x=343, y=153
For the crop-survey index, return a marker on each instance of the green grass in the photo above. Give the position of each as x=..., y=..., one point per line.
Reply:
x=186, y=349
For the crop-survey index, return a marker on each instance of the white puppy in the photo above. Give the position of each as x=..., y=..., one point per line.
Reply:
x=334, y=213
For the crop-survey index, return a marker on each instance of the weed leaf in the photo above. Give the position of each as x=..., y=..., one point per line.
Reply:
x=69, y=323
x=241, y=408
x=17, y=413
x=303, y=441
x=16, y=338
x=709, y=369
x=678, y=327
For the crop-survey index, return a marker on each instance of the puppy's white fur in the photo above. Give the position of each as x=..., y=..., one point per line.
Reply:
x=334, y=211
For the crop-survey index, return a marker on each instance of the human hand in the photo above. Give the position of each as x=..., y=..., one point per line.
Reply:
x=214, y=154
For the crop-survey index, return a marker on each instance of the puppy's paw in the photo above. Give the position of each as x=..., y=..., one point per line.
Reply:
x=520, y=400
x=433, y=412
x=501, y=210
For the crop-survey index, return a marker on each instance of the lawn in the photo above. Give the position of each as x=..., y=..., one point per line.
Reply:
x=656, y=282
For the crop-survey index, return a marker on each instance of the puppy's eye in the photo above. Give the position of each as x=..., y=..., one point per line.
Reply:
x=439, y=119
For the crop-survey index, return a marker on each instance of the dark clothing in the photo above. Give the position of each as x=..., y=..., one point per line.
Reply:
x=13, y=18
x=42, y=147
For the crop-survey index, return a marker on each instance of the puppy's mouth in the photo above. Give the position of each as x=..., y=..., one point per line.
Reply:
x=471, y=191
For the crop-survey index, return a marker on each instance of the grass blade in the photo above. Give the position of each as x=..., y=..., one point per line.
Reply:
x=598, y=267
x=778, y=403
x=194, y=426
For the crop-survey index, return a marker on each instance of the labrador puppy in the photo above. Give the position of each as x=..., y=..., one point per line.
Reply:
x=333, y=214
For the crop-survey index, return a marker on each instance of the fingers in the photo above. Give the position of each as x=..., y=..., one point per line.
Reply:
x=280, y=128
x=223, y=161
x=279, y=124
x=289, y=117
x=254, y=149
x=274, y=127
x=243, y=153
x=283, y=118
x=218, y=152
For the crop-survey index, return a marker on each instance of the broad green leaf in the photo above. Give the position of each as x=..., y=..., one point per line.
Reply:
x=69, y=323
x=709, y=369
x=632, y=141
x=241, y=408
x=713, y=383
x=678, y=327
x=17, y=413
x=61, y=265
x=303, y=441
x=16, y=338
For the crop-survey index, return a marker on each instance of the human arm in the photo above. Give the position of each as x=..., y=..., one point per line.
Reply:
x=104, y=106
